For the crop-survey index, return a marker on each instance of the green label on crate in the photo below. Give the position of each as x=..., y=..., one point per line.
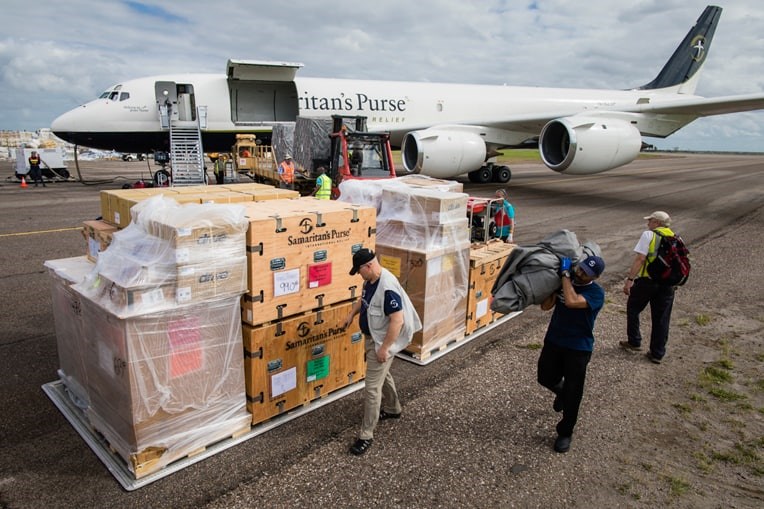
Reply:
x=320, y=256
x=318, y=368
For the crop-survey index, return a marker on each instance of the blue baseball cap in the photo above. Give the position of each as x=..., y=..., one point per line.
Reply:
x=592, y=266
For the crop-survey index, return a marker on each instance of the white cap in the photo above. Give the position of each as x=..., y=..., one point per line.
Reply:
x=660, y=216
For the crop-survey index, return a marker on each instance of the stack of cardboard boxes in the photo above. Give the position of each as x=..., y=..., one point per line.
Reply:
x=423, y=239
x=160, y=333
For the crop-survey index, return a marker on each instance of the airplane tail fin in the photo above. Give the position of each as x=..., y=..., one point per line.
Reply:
x=688, y=58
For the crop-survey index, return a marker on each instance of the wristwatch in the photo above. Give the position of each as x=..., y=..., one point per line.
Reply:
x=566, y=273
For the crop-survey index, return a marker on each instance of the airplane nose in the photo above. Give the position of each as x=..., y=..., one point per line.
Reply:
x=66, y=122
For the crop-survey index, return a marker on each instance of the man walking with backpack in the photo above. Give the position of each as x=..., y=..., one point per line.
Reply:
x=644, y=286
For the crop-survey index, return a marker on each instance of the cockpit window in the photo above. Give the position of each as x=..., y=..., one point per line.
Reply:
x=113, y=94
x=124, y=96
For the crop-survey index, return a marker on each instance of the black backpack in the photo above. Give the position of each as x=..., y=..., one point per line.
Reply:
x=671, y=266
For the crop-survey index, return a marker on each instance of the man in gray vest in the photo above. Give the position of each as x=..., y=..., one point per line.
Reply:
x=388, y=321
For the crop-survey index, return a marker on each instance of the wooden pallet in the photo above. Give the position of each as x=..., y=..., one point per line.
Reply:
x=427, y=357
x=117, y=466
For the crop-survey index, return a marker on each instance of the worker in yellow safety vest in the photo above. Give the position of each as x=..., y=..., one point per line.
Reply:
x=286, y=172
x=323, y=190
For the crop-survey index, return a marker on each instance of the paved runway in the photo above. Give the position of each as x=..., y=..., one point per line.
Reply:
x=44, y=463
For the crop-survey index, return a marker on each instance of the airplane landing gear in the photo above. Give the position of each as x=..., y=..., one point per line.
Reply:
x=481, y=176
x=501, y=174
x=491, y=173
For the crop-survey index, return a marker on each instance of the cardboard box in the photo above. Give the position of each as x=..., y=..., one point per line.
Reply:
x=98, y=237
x=423, y=181
x=165, y=385
x=200, y=234
x=299, y=254
x=69, y=327
x=296, y=360
x=424, y=236
x=421, y=205
x=486, y=261
x=226, y=197
x=436, y=282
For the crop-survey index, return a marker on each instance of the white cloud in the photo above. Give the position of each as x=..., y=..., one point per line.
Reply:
x=75, y=50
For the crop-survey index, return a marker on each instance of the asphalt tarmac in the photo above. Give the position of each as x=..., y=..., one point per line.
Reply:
x=414, y=462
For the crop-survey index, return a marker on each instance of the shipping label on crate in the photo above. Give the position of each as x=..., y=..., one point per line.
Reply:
x=317, y=368
x=286, y=282
x=283, y=382
x=319, y=274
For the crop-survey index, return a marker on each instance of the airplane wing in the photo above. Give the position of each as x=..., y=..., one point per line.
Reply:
x=702, y=107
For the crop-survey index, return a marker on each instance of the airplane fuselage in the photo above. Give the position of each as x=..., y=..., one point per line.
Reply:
x=444, y=130
x=133, y=124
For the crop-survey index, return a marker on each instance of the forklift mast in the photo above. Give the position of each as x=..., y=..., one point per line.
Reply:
x=357, y=153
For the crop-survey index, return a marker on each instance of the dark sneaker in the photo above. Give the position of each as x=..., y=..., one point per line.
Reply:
x=557, y=405
x=562, y=444
x=383, y=416
x=652, y=358
x=628, y=346
x=360, y=446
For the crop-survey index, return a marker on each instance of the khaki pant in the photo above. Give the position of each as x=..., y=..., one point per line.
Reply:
x=379, y=392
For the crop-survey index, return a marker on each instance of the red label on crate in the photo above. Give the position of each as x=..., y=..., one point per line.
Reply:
x=185, y=346
x=319, y=274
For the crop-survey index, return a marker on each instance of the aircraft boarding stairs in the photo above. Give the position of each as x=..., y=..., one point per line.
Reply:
x=187, y=156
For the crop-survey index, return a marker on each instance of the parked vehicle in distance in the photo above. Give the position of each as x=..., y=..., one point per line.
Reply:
x=133, y=157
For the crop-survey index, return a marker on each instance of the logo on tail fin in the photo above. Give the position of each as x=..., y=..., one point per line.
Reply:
x=699, y=48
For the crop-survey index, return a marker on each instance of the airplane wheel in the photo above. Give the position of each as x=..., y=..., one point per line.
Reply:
x=501, y=174
x=481, y=176
x=162, y=178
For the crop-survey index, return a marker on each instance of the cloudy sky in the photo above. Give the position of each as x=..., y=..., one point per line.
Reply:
x=56, y=55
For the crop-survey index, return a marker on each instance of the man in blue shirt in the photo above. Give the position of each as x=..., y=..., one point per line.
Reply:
x=569, y=341
x=388, y=321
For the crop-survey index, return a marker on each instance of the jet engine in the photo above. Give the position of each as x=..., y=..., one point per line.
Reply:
x=585, y=145
x=442, y=153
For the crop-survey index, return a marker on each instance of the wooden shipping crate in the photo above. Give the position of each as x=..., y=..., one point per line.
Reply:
x=226, y=197
x=296, y=360
x=299, y=255
x=98, y=237
x=164, y=385
x=486, y=261
x=436, y=282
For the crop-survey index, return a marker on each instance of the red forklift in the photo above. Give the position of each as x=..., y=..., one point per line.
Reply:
x=357, y=153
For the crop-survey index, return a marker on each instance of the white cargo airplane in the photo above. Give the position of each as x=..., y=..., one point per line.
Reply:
x=444, y=130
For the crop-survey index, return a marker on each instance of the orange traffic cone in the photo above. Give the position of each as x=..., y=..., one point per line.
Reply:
x=23, y=182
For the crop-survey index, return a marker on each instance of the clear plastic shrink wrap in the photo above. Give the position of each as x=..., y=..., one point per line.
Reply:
x=67, y=319
x=171, y=255
x=423, y=238
x=165, y=374
x=165, y=384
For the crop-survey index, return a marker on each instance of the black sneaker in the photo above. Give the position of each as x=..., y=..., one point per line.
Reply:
x=628, y=346
x=562, y=444
x=360, y=446
x=383, y=416
x=652, y=358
